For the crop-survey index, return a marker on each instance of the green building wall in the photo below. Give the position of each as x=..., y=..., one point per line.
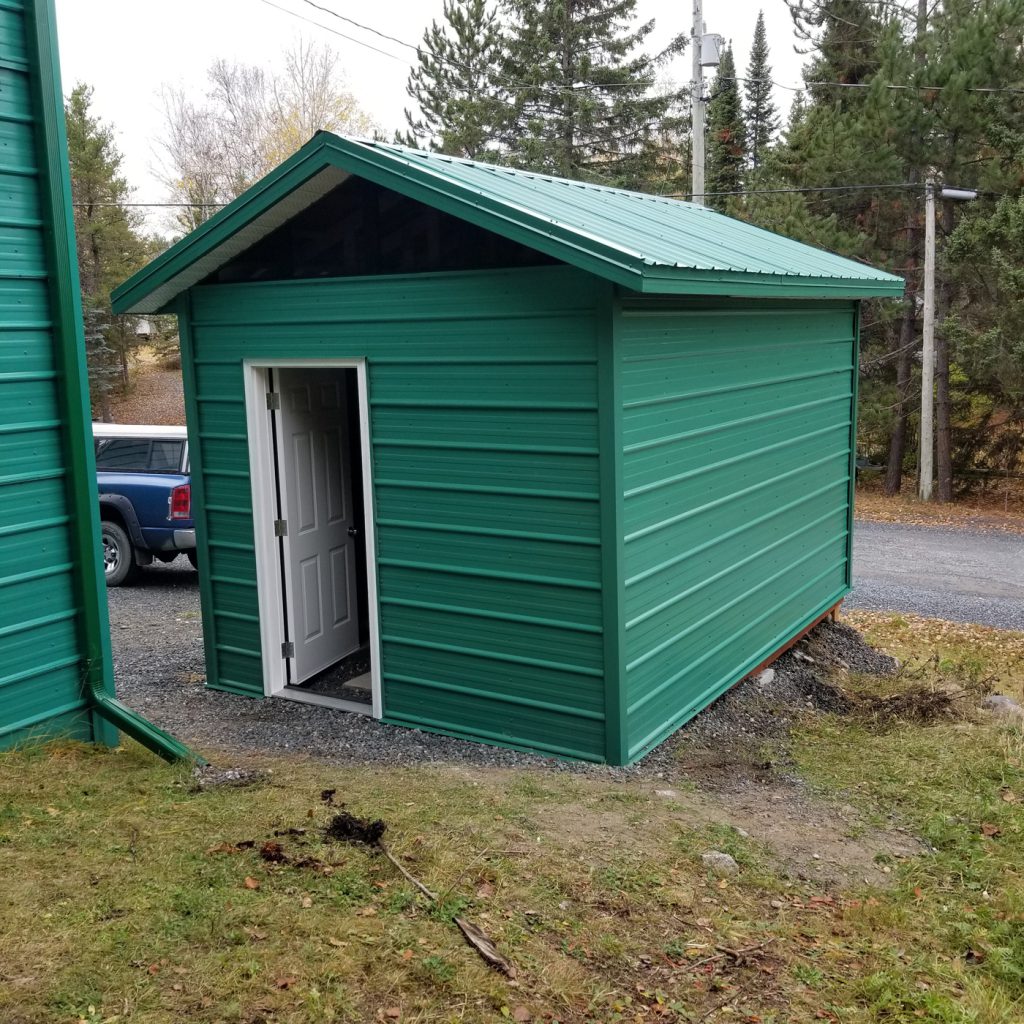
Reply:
x=483, y=391
x=737, y=443
x=53, y=630
x=594, y=514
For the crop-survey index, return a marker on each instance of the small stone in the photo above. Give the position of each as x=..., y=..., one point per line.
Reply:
x=668, y=794
x=741, y=831
x=765, y=678
x=722, y=864
x=1003, y=706
x=777, y=904
x=816, y=856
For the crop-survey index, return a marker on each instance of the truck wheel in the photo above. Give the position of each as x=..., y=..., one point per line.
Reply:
x=193, y=558
x=118, y=557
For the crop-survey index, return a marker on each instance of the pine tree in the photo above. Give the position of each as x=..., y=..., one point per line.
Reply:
x=761, y=114
x=583, y=103
x=454, y=83
x=110, y=247
x=726, y=135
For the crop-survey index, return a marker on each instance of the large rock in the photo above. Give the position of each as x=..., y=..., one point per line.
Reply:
x=720, y=863
x=1003, y=707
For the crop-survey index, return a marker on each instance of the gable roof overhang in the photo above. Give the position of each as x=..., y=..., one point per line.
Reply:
x=594, y=236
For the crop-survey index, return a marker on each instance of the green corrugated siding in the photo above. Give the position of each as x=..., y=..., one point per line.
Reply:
x=41, y=663
x=484, y=413
x=736, y=433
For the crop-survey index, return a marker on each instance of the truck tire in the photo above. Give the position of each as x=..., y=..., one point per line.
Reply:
x=118, y=555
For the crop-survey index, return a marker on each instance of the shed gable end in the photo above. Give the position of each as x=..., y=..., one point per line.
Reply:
x=361, y=229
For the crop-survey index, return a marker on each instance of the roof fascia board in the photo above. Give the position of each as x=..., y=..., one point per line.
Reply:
x=222, y=225
x=683, y=282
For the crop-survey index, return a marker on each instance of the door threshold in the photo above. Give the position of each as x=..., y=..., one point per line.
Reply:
x=306, y=697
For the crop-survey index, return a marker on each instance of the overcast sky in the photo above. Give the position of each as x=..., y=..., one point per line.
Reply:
x=128, y=49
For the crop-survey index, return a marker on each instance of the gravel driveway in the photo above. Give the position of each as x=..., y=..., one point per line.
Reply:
x=960, y=575
x=159, y=668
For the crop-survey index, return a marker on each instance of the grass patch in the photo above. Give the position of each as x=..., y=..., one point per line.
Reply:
x=128, y=896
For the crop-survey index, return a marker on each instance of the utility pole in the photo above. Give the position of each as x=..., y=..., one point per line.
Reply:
x=928, y=331
x=697, y=103
x=928, y=346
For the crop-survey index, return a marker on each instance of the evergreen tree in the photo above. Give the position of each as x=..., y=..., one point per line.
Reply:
x=583, y=103
x=110, y=247
x=454, y=83
x=726, y=149
x=761, y=114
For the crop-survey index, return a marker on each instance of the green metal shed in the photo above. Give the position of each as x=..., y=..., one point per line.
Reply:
x=524, y=460
x=56, y=677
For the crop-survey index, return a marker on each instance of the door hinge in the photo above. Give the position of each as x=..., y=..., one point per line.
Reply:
x=287, y=649
x=273, y=400
x=280, y=527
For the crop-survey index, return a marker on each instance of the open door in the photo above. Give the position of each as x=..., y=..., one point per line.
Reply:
x=311, y=505
x=319, y=527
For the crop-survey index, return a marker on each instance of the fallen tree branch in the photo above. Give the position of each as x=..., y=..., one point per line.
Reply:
x=408, y=875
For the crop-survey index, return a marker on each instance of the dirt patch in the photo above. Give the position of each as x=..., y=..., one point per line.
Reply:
x=735, y=753
x=155, y=396
x=808, y=839
x=347, y=828
x=1001, y=507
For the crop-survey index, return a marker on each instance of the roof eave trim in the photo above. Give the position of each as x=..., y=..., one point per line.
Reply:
x=130, y=296
x=743, y=285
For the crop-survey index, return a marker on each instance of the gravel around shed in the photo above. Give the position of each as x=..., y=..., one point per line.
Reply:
x=159, y=668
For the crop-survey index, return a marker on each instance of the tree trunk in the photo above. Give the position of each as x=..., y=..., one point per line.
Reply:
x=898, y=437
x=943, y=427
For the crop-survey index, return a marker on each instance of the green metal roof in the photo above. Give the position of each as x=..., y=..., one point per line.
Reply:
x=647, y=243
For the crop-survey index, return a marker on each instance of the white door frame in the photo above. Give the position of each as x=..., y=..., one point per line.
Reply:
x=269, y=583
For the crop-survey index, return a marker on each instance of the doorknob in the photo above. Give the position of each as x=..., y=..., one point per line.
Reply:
x=353, y=532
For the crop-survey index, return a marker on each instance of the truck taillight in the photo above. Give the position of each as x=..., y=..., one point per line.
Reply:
x=181, y=502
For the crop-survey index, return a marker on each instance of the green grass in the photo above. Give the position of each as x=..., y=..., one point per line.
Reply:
x=123, y=901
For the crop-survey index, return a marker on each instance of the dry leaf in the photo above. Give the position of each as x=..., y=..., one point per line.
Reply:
x=485, y=891
x=366, y=912
x=255, y=933
x=406, y=954
x=485, y=947
x=337, y=943
x=52, y=811
x=988, y=829
x=307, y=902
x=285, y=983
x=394, y=1012
x=251, y=883
x=1008, y=795
x=521, y=1013
x=222, y=848
x=153, y=968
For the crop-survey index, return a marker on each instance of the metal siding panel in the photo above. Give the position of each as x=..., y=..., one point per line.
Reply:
x=736, y=463
x=41, y=648
x=483, y=407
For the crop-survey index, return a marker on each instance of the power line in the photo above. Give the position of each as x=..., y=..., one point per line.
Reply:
x=871, y=84
x=335, y=32
x=532, y=86
x=512, y=86
x=357, y=24
x=820, y=188
x=146, y=206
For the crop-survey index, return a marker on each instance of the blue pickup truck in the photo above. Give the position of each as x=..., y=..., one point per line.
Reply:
x=145, y=495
